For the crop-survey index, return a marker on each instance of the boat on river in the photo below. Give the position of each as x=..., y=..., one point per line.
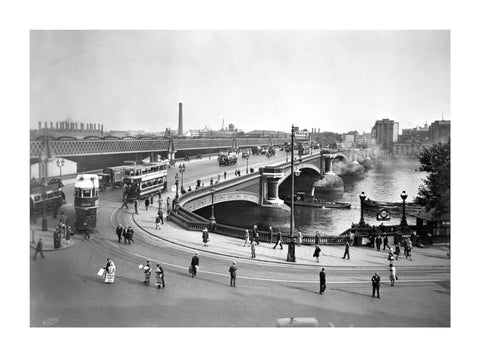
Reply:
x=301, y=200
x=392, y=206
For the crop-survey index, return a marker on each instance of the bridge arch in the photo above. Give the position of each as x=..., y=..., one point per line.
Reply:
x=300, y=166
x=206, y=200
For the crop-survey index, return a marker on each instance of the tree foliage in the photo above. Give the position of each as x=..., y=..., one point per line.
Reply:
x=328, y=138
x=435, y=192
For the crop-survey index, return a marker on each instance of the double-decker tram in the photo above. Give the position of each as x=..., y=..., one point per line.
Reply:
x=86, y=201
x=145, y=180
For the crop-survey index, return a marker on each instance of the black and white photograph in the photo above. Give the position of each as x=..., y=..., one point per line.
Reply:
x=195, y=179
x=170, y=148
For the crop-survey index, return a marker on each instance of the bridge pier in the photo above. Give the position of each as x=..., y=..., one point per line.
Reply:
x=271, y=177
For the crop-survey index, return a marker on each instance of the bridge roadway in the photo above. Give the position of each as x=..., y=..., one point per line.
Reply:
x=65, y=289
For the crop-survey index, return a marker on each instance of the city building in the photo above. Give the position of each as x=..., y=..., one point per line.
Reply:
x=440, y=131
x=385, y=133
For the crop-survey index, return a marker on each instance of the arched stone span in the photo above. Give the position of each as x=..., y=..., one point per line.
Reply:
x=300, y=167
x=220, y=197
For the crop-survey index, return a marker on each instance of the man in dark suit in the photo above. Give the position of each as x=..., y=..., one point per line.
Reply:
x=233, y=274
x=119, y=232
x=376, y=285
x=323, y=281
x=194, y=264
x=347, y=250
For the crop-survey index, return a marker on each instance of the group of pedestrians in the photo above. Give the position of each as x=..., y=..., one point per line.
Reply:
x=124, y=232
x=159, y=275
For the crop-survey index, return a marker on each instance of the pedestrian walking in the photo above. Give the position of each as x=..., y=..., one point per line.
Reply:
x=124, y=204
x=376, y=285
x=157, y=222
x=270, y=234
x=323, y=281
x=316, y=253
x=147, y=270
x=385, y=242
x=247, y=238
x=68, y=234
x=393, y=274
x=347, y=250
x=408, y=250
x=252, y=248
x=160, y=214
x=109, y=273
x=199, y=182
x=317, y=237
x=119, y=231
x=279, y=240
x=159, y=277
x=224, y=175
x=195, y=263
x=169, y=206
x=205, y=237
x=39, y=249
x=378, y=242
x=189, y=188
x=352, y=236
x=255, y=234
x=390, y=257
x=135, y=204
x=125, y=235
x=397, y=250
x=300, y=238
x=233, y=274
x=147, y=203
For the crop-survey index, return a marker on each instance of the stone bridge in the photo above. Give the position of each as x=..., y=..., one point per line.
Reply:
x=260, y=187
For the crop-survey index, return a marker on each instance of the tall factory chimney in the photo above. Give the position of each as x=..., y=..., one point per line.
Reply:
x=180, y=120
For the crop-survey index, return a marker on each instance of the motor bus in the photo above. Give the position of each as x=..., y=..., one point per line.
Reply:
x=145, y=180
x=86, y=201
x=112, y=177
x=53, y=198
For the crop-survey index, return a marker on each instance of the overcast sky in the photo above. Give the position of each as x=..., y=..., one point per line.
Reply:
x=332, y=80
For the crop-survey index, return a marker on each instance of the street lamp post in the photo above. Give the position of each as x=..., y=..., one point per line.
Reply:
x=212, y=217
x=44, y=204
x=176, y=186
x=291, y=246
x=362, y=198
x=182, y=170
x=60, y=163
x=403, y=196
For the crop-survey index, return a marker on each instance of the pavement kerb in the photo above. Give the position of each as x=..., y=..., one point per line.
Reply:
x=256, y=260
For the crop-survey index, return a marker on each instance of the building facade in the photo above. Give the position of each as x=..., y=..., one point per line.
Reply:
x=385, y=134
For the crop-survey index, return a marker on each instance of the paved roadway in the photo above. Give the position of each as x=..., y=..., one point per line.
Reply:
x=65, y=290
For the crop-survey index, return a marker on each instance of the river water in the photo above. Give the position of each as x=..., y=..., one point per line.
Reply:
x=383, y=183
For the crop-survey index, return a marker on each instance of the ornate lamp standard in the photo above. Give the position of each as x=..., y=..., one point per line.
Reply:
x=60, y=163
x=176, y=186
x=212, y=217
x=291, y=244
x=403, y=196
x=247, y=157
x=181, y=168
x=362, y=198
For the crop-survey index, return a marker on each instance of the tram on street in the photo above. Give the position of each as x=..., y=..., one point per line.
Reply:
x=53, y=198
x=86, y=201
x=145, y=180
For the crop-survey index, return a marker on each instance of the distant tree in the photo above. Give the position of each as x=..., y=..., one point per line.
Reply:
x=435, y=192
x=328, y=138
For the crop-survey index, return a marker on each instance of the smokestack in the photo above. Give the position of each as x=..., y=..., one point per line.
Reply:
x=180, y=120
